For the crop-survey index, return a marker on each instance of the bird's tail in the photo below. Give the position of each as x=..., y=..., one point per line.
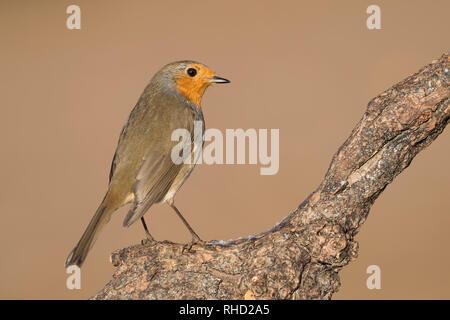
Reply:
x=99, y=220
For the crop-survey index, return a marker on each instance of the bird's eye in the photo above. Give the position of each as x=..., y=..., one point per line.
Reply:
x=191, y=72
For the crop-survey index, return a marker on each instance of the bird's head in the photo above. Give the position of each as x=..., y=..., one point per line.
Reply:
x=190, y=79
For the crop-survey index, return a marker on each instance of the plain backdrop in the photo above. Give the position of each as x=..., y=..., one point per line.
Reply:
x=307, y=68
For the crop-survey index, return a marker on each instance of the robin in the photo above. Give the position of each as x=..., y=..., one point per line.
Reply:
x=143, y=172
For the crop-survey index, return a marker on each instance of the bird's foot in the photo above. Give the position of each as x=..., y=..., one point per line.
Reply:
x=149, y=239
x=194, y=240
x=197, y=240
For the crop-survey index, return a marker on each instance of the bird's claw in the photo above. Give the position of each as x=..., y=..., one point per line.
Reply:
x=194, y=240
x=147, y=240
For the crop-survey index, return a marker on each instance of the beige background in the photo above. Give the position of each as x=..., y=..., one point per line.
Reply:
x=307, y=68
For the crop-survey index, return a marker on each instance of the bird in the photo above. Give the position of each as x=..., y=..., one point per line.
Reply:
x=143, y=172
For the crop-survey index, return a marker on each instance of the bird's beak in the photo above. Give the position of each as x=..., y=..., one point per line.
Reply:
x=217, y=79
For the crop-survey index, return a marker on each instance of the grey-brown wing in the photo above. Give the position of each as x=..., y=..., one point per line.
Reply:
x=131, y=128
x=113, y=163
x=154, y=178
x=153, y=182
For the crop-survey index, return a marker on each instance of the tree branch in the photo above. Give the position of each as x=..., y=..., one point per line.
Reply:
x=300, y=258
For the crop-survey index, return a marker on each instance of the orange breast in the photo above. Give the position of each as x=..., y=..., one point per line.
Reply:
x=192, y=89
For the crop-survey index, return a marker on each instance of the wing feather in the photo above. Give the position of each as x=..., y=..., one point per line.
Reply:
x=154, y=179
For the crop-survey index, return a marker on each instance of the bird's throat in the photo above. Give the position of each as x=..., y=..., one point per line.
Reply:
x=193, y=91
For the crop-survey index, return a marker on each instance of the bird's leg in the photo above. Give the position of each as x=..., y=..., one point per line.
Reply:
x=149, y=236
x=195, y=237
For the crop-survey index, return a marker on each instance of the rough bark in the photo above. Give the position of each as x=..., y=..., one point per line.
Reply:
x=301, y=257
